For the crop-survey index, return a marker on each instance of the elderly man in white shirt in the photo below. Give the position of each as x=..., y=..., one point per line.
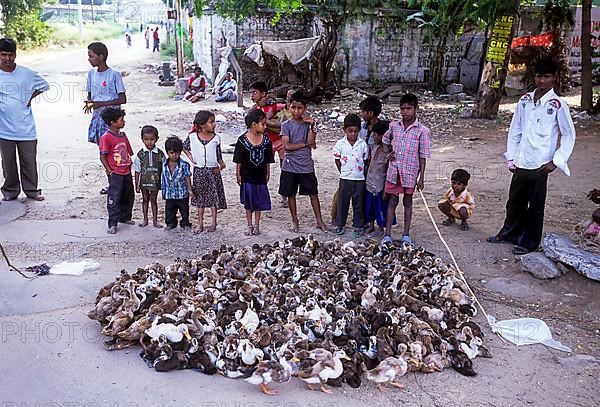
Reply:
x=532, y=153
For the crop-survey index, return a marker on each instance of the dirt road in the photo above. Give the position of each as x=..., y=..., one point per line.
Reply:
x=53, y=354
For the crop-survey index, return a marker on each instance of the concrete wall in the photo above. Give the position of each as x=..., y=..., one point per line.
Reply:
x=385, y=49
x=378, y=48
x=212, y=32
x=260, y=28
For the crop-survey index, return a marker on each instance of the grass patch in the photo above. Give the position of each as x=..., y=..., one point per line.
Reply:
x=168, y=51
x=68, y=33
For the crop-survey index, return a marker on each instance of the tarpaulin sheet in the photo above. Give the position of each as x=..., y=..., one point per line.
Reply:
x=295, y=51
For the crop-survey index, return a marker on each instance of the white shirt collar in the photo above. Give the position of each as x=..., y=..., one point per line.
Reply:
x=154, y=150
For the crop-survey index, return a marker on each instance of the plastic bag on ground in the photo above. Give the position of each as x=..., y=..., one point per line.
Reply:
x=74, y=268
x=526, y=331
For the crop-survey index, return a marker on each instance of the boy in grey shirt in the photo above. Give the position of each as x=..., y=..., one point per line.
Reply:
x=298, y=170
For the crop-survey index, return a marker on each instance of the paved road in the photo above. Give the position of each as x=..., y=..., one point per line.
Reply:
x=52, y=354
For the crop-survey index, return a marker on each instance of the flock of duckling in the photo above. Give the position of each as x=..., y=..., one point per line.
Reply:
x=327, y=313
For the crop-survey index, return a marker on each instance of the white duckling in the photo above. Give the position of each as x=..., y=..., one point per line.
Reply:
x=249, y=354
x=250, y=320
x=322, y=371
x=173, y=333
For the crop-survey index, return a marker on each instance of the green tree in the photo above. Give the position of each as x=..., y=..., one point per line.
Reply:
x=21, y=20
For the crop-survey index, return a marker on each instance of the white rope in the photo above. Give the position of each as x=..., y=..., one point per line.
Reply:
x=462, y=276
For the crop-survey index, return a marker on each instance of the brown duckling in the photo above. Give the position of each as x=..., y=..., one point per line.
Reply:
x=388, y=371
x=321, y=371
x=136, y=330
x=269, y=371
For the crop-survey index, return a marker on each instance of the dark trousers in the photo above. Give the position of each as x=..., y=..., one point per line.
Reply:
x=524, y=220
x=120, y=197
x=27, y=163
x=171, y=208
x=156, y=46
x=351, y=191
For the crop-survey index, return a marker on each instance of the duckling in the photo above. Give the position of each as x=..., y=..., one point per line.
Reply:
x=136, y=330
x=321, y=371
x=261, y=337
x=461, y=363
x=250, y=320
x=436, y=361
x=248, y=353
x=107, y=305
x=388, y=371
x=150, y=350
x=354, y=368
x=475, y=348
x=168, y=359
x=199, y=359
x=118, y=322
x=269, y=371
x=173, y=333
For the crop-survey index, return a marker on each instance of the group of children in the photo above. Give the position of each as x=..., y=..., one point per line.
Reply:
x=377, y=161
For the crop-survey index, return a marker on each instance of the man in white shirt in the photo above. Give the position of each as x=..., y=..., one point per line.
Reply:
x=18, y=86
x=533, y=153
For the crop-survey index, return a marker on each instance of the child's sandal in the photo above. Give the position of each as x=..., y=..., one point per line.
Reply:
x=256, y=230
x=448, y=222
x=357, y=233
x=249, y=231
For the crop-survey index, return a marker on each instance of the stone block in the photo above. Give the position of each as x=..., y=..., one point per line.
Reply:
x=562, y=249
x=454, y=88
x=540, y=266
x=457, y=97
x=578, y=361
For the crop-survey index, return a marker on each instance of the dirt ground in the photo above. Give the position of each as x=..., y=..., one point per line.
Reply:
x=46, y=335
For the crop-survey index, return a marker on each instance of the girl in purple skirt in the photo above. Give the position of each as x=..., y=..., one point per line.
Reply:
x=253, y=155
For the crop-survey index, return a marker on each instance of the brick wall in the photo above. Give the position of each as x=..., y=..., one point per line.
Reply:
x=260, y=28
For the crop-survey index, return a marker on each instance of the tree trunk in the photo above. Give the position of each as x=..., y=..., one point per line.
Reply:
x=328, y=52
x=494, y=72
x=586, y=55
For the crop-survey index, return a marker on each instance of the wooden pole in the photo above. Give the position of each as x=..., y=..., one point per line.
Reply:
x=586, y=55
x=178, y=42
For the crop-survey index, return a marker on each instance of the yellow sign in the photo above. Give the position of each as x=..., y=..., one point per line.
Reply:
x=500, y=39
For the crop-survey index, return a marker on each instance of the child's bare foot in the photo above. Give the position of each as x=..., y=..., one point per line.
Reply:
x=156, y=224
x=370, y=229
x=212, y=228
x=321, y=225
x=199, y=229
x=464, y=225
x=376, y=233
x=130, y=222
x=295, y=228
x=144, y=223
x=112, y=230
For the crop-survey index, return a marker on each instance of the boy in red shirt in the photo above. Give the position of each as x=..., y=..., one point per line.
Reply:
x=115, y=156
